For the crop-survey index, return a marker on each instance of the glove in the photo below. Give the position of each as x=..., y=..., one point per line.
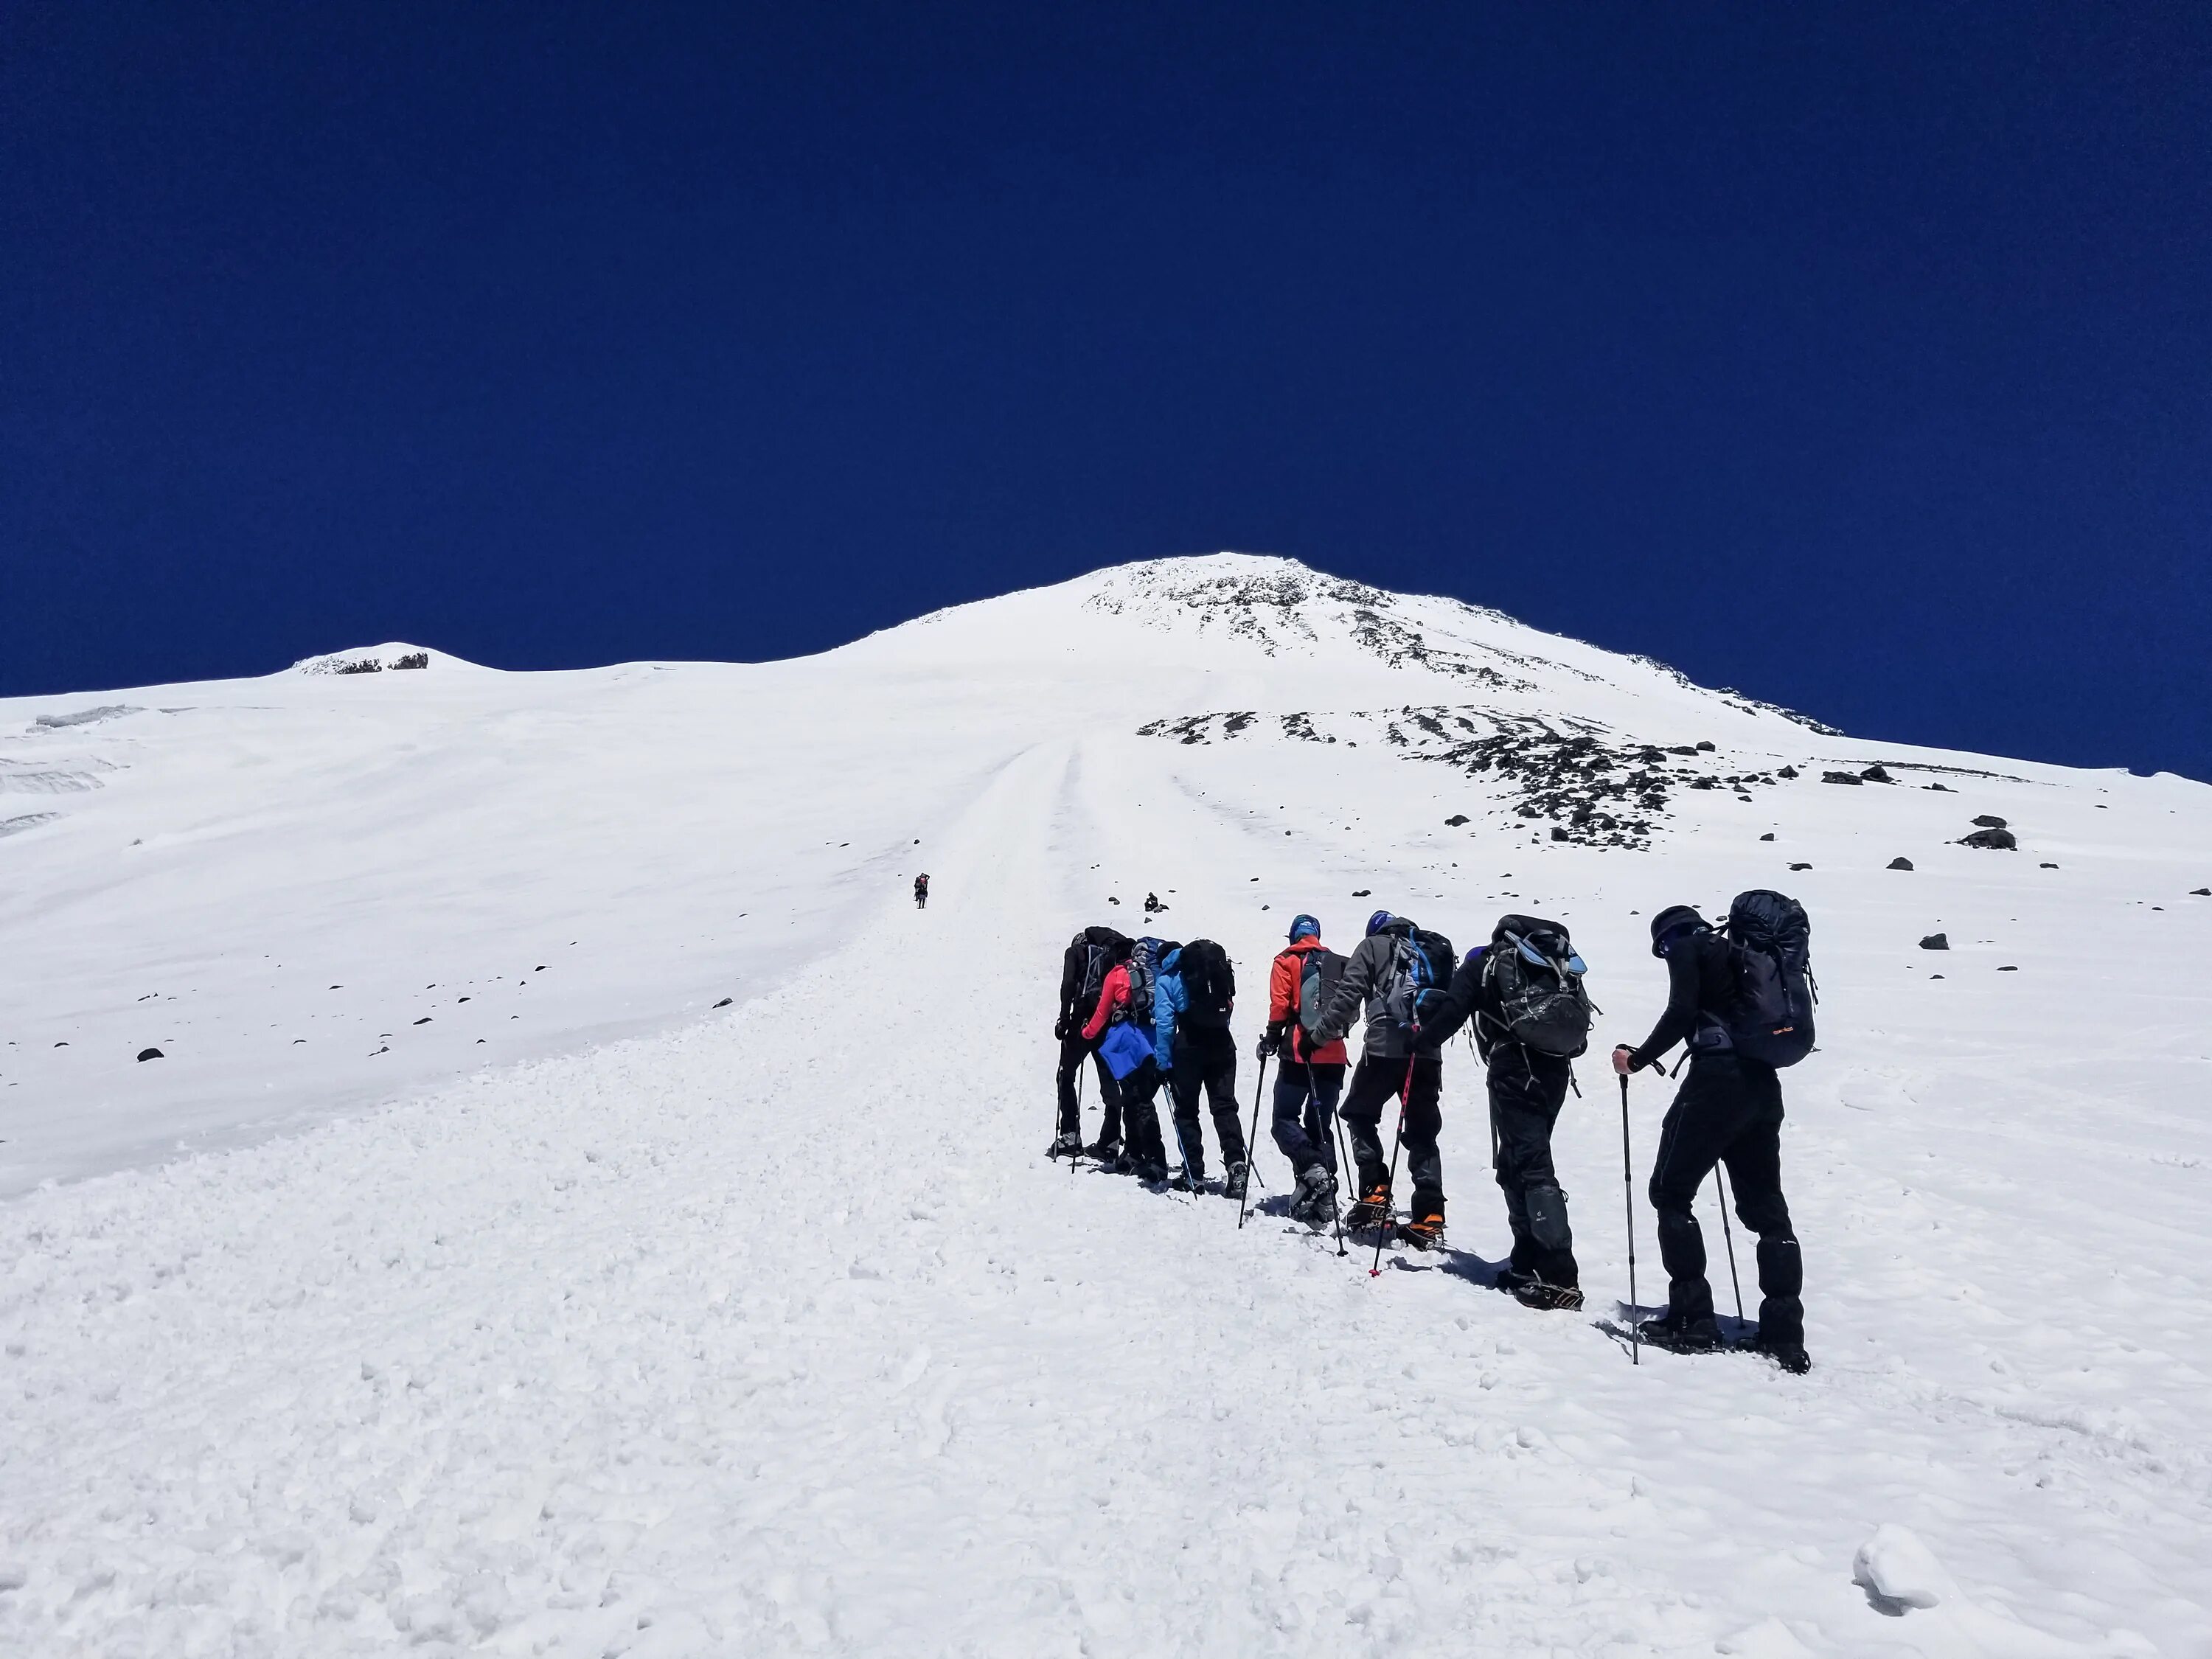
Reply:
x=1061, y=1028
x=1265, y=1049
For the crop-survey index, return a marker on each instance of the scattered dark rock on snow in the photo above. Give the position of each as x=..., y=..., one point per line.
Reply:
x=425, y=1020
x=1876, y=774
x=1110, y=900
x=1935, y=975
x=2008, y=969
x=150, y=1054
x=1707, y=747
x=1558, y=834
x=1785, y=771
x=1454, y=820
x=1989, y=821
x=1842, y=777
x=725, y=1002
x=1900, y=864
x=2048, y=866
x=1365, y=892
x=1769, y=836
x=2000, y=841
x=2197, y=892
x=1801, y=866
x=1937, y=942
x=1942, y=789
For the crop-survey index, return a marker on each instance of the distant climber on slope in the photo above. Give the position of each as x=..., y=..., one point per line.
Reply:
x=921, y=891
x=1397, y=974
x=1531, y=1018
x=1299, y=986
x=1121, y=1025
x=1196, y=994
x=1083, y=969
x=1741, y=1001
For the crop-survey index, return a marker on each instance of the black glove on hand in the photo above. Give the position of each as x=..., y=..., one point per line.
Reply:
x=1061, y=1029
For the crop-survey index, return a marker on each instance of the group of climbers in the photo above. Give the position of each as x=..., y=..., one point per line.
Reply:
x=1147, y=1012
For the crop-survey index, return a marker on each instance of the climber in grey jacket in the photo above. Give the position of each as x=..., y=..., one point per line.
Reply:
x=1393, y=1060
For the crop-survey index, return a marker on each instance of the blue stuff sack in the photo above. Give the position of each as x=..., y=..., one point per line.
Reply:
x=1125, y=1050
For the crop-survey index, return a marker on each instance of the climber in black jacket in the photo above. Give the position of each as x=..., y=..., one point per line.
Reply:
x=1729, y=1110
x=1527, y=1090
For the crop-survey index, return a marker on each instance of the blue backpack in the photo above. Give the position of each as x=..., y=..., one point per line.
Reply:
x=1420, y=968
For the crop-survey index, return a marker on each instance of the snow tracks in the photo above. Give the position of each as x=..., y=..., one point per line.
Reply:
x=778, y=1335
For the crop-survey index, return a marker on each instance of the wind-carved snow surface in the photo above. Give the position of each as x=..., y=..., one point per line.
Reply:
x=652, y=1327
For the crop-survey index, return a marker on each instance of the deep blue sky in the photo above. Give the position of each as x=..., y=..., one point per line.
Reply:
x=1857, y=355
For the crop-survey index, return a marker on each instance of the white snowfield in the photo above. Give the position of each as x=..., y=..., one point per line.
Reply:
x=587, y=1319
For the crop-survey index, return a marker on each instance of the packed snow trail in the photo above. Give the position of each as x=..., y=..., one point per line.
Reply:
x=777, y=1335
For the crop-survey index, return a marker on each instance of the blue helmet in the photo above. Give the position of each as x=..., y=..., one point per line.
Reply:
x=1304, y=928
x=1378, y=921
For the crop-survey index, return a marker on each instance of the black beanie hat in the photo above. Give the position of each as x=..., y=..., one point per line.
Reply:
x=1674, y=917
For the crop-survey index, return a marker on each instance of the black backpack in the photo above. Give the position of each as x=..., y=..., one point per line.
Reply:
x=1097, y=946
x=1770, y=1016
x=1420, y=968
x=1538, y=977
x=1210, y=983
x=1318, y=974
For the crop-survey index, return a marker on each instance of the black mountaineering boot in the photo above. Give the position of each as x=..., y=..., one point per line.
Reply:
x=1067, y=1145
x=1233, y=1189
x=1790, y=1356
x=1681, y=1335
x=1372, y=1210
x=1427, y=1234
x=1314, y=1202
x=1548, y=1299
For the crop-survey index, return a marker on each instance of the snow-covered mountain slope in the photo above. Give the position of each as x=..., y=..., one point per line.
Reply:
x=767, y=1329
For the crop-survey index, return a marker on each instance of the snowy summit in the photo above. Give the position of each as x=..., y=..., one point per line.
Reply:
x=500, y=1163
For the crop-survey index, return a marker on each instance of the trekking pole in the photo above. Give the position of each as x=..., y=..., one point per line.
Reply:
x=1628, y=1200
x=1382, y=1227
x=1251, y=1147
x=1336, y=1140
x=1189, y=1174
x=1728, y=1235
x=1343, y=1164
x=1083, y=1066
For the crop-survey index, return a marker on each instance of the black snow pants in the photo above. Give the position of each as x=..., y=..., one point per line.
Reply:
x=1729, y=1110
x=1527, y=1090
x=1205, y=1058
x=1376, y=1083
x=1305, y=1100
x=1071, y=1052
x=1143, y=1121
